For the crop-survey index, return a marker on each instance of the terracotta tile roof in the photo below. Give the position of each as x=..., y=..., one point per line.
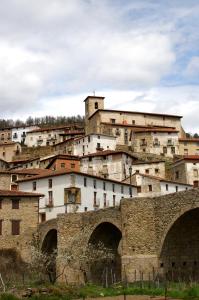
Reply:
x=134, y=112
x=23, y=160
x=135, y=125
x=187, y=158
x=8, y=193
x=161, y=179
x=192, y=140
x=75, y=132
x=48, y=129
x=156, y=130
x=64, y=172
x=107, y=152
x=26, y=171
x=8, y=143
x=148, y=162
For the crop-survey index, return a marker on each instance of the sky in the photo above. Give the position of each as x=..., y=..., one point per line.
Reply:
x=141, y=55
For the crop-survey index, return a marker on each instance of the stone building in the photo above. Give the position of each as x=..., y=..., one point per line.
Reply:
x=189, y=146
x=68, y=191
x=108, y=164
x=120, y=123
x=186, y=170
x=154, y=168
x=5, y=134
x=152, y=186
x=159, y=141
x=18, y=220
x=8, y=150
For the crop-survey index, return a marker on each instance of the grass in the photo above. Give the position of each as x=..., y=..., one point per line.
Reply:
x=63, y=292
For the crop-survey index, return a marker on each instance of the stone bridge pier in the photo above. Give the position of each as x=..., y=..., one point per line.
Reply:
x=146, y=234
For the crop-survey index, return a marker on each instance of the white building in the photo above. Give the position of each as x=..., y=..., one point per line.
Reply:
x=19, y=133
x=108, y=164
x=75, y=192
x=152, y=186
x=44, y=136
x=92, y=143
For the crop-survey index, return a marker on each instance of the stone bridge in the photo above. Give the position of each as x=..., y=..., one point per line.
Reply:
x=147, y=234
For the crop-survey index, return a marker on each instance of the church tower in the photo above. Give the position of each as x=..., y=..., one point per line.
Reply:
x=92, y=104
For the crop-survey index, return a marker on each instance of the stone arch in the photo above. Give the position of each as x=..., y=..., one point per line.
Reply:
x=179, y=253
x=104, y=241
x=49, y=248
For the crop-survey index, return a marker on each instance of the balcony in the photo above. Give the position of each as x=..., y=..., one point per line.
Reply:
x=99, y=149
x=15, y=136
x=170, y=143
x=156, y=144
x=143, y=144
x=96, y=202
x=23, y=135
x=49, y=203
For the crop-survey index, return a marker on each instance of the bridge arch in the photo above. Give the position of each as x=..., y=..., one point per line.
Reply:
x=105, y=241
x=179, y=252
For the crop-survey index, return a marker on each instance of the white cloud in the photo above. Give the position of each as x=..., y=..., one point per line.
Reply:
x=193, y=67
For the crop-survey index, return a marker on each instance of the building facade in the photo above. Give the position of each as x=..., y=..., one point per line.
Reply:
x=189, y=146
x=157, y=141
x=108, y=164
x=18, y=220
x=186, y=170
x=8, y=150
x=67, y=192
x=19, y=133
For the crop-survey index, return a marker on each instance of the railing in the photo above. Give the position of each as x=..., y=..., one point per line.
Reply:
x=49, y=203
x=156, y=144
x=143, y=144
x=96, y=202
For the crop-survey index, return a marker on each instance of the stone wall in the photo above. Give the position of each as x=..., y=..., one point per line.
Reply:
x=28, y=216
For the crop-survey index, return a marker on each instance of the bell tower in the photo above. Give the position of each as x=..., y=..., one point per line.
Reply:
x=92, y=104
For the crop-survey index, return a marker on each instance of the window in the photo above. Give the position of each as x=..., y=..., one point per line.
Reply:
x=43, y=217
x=104, y=186
x=98, y=145
x=90, y=158
x=195, y=173
x=113, y=121
x=98, y=137
x=122, y=189
x=4, y=154
x=196, y=183
x=147, y=171
x=94, y=184
x=85, y=208
x=114, y=202
x=176, y=188
x=157, y=171
x=150, y=188
x=130, y=191
x=165, y=150
x=85, y=181
x=50, y=183
x=95, y=199
x=15, y=227
x=139, y=190
x=13, y=178
x=185, y=151
x=34, y=185
x=104, y=199
x=1, y=221
x=173, y=150
x=113, y=188
x=89, y=138
x=62, y=165
x=72, y=166
x=15, y=203
x=177, y=175
x=96, y=105
x=167, y=187
x=133, y=122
